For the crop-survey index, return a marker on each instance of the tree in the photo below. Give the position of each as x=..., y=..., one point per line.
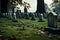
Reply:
x=40, y=6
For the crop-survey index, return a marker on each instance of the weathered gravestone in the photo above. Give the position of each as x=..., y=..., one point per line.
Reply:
x=14, y=14
x=22, y=15
x=32, y=16
x=26, y=15
x=9, y=15
x=52, y=23
x=40, y=15
x=18, y=13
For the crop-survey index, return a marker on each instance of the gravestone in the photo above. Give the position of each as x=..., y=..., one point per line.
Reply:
x=14, y=14
x=9, y=15
x=26, y=15
x=3, y=14
x=52, y=23
x=52, y=19
x=18, y=13
x=22, y=15
x=32, y=16
x=35, y=14
x=40, y=15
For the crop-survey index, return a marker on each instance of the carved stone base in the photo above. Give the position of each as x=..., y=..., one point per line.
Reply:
x=52, y=30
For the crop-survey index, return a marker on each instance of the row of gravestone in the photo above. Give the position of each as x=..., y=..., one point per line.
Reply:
x=52, y=19
x=14, y=16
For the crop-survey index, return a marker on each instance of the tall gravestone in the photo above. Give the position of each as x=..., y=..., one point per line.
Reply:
x=52, y=23
x=10, y=14
x=26, y=15
x=14, y=14
x=18, y=13
x=52, y=19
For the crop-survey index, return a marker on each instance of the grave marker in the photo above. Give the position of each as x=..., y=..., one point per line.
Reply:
x=52, y=23
x=18, y=13
x=32, y=16
x=40, y=15
x=14, y=14
x=26, y=16
x=52, y=19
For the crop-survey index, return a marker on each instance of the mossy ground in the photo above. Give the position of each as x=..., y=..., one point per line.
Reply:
x=30, y=32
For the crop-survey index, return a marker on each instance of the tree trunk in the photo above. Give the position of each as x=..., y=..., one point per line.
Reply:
x=40, y=6
x=4, y=6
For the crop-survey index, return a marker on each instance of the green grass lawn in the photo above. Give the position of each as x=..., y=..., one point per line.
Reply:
x=10, y=28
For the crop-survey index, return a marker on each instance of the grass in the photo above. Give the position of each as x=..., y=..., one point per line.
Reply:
x=10, y=28
x=34, y=22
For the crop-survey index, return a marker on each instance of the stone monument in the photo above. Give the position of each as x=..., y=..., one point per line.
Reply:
x=52, y=23
x=40, y=16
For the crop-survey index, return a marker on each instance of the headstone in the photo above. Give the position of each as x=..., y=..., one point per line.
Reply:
x=3, y=14
x=30, y=14
x=22, y=15
x=52, y=19
x=26, y=16
x=33, y=16
x=18, y=13
x=45, y=15
x=10, y=15
x=40, y=15
x=14, y=14
x=52, y=23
